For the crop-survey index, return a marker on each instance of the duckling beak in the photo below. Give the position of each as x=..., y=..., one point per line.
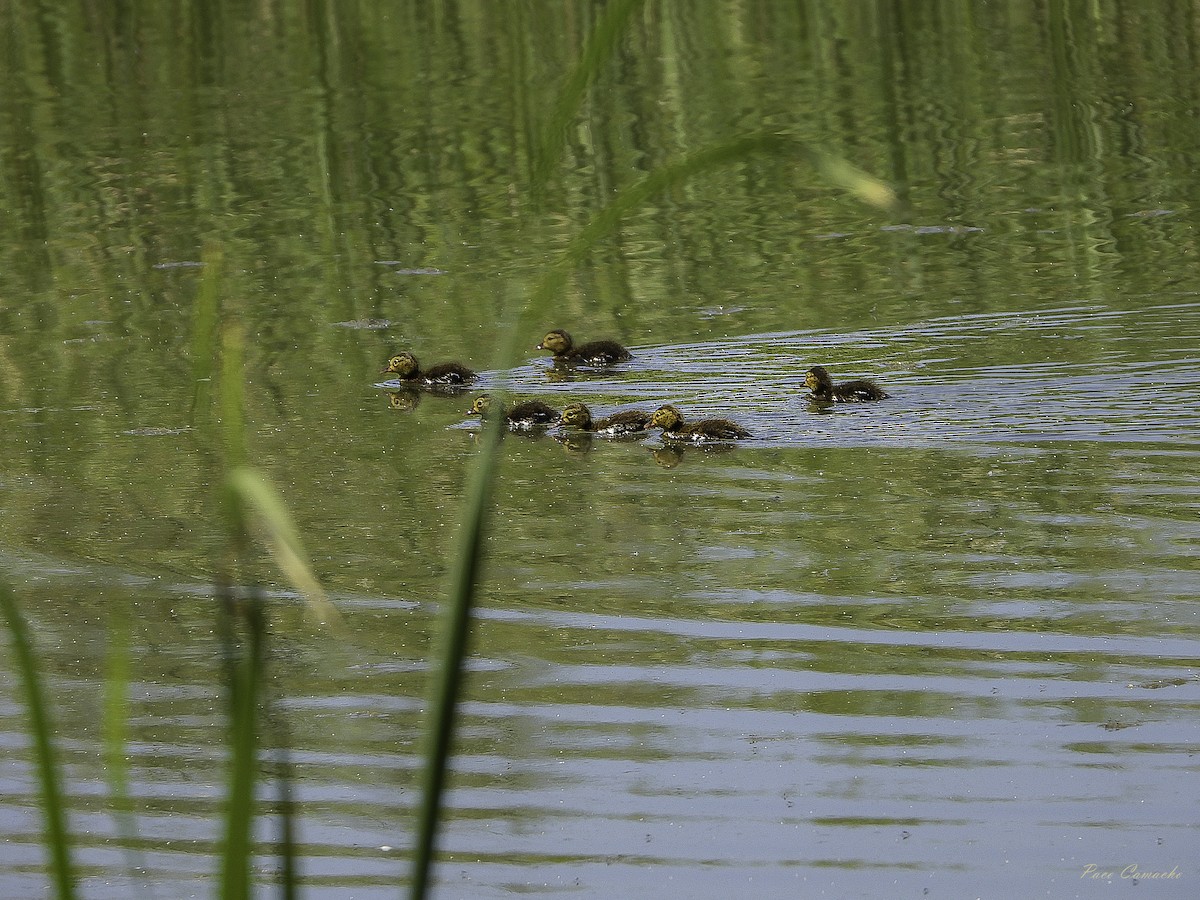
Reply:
x=539, y=347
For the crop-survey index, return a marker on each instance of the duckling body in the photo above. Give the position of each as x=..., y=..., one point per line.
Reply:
x=632, y=421
x=824, y=390
x=523, y=416
x=593, y=353
x=448, y=374
x=671, y=421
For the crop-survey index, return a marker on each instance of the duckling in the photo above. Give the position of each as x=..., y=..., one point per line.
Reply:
x=632, y=421
x=670, y=420
x=594, y=353
x=525, y=415
x=405, y=367
x=823, y=389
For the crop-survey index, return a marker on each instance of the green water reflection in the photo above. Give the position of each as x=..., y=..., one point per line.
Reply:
x=966, y=616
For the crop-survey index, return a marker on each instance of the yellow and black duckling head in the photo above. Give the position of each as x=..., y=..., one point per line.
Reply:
x=557, y=342
x=823, y=389
x=818, y=381
x=577, y=415
x=481, y=406
x=668, y=418
x=402, y=365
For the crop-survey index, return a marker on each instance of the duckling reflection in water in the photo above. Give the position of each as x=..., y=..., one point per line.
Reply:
x=632, y=421
x=669, y=455
x=522, y=417
x=593, y=353
x=824, y=390
x=670, y=420
x=406, y=399
x=576, y=441
x=447, y=375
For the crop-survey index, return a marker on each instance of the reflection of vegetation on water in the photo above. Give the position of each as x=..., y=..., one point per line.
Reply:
x=79, y=161
x=251, y=505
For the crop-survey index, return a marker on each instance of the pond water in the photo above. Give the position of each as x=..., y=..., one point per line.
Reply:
x=944, y=645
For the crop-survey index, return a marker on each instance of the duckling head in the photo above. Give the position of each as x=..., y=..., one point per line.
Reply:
x=557, y=342
x=668, y=418
x=402, y=364
x=482, y=405
x=817, y=378
x=576, y=414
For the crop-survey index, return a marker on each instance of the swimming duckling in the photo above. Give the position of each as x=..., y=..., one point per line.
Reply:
x=594, y=353
x=525, y=415
x=823, y=389
x=631, y=421
x=405, y=367
x=670, y=420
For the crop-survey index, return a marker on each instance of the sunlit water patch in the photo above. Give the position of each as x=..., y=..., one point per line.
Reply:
x=1057, y=375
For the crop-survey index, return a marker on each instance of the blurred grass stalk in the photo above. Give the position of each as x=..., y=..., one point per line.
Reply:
x=546, y=149
x=56, y=835
x=252, y=507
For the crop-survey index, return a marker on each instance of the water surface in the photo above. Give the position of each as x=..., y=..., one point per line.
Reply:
x=942, y=645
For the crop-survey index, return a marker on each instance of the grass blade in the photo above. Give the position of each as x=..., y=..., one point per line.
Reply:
x=254, y=493
x=448, y=679
x=57, y=840
x=600, y=44
x=605, y=222
x=116, y=720
x=245, y=671
x=289, y=870
x=205, y=318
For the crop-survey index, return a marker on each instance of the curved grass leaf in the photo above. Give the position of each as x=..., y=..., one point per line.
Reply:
x=601, y=42
x=263, y=507
x=57, y=839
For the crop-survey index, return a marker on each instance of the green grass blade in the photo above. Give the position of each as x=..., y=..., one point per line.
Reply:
x=56, y=838
x=599, y=46
x=255, y=494
x=232, y=398
x=834, y=170
x=116, y=721
x=449, y=675
x=241, y=656
x=839, y=173
x=245, y=683
x=289, y=870
x=205, y=317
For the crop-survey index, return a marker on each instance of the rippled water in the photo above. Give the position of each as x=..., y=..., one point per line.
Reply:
x=981, y=379
x=945, y=645
x=941, y=641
